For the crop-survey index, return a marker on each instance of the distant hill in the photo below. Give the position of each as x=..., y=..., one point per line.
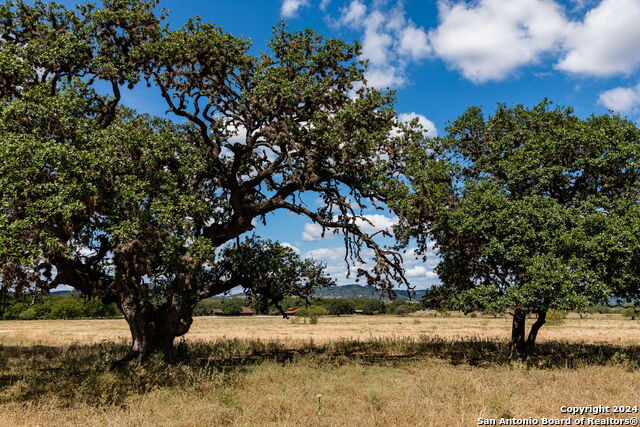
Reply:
x=346, y=291
x=63, y=293
x=361, y=291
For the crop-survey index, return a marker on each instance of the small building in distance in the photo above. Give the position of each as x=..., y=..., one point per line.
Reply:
x=244, y=311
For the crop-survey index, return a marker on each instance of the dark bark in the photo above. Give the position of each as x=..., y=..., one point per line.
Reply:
x=518, y=343
x=533, y=333
x=154, y=329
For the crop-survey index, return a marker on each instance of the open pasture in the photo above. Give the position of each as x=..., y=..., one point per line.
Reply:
x=354, y=370
x=593, y=329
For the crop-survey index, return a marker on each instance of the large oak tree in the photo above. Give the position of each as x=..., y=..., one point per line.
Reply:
x=532, y=201
x=132, y=209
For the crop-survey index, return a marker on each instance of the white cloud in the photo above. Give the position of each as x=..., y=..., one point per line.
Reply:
x=376, y=222
x=85, y=252
x=312, y=232
x=582, y=4
x=290, y=8
x=385, y=76
x=336, y=269
x=411, y=252
x=621, y=99
x=292, y=247
x=411, y=257
x=354, y=14
x=376, y=42
x=326, y=254
x=606, y=41
x=414, y=43
x=429, y=127
x=60, y=288
x=324, y=4
x=390, y=41
x=420, y=271
x=238, y=135
x=489, y=39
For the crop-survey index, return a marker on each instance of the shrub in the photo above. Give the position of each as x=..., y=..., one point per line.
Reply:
x=393, y=306
x=338, y=306
x=442, y=311
x=314, y=313
x=631, y=311
x=204, y=307
x=317, y=311
x=600, y=309
x=403, y=310
x=373, y=306
x=28, y=314
x=96, y=309
x=59, y=307
x=556, y=317
x=67, y=308
x=232, y=307
x=13, y=311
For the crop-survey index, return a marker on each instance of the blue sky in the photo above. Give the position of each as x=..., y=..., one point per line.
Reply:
x=443, y=56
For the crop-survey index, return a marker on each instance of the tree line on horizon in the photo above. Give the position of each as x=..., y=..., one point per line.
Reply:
x=529, y=209
x=75, y=306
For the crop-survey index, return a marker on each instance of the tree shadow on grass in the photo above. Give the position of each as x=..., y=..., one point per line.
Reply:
x=85, y=373
x=473, y=352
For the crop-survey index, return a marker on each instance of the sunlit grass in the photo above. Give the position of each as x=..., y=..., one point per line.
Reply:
x=614, y=329
x=380, y=370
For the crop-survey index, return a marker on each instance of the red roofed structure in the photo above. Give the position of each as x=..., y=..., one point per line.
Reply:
x=291, y=311
x=246, y=311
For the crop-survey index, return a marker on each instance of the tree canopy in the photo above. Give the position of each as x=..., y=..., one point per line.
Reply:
x=530, y=209
x=269, y=271
x=526, y=207
x=131, y=208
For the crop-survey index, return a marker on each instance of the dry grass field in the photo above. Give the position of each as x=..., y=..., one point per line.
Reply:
x=611, y=329
x=432, y=371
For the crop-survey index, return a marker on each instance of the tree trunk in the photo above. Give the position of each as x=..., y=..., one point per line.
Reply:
x=533, y=333
x=518, y=343
x=154, y=329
